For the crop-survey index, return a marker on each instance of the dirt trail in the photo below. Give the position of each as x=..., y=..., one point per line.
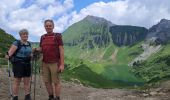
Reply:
x=113, y=56
x=72, y=91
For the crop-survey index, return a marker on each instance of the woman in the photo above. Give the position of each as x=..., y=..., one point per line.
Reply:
x=20, y=55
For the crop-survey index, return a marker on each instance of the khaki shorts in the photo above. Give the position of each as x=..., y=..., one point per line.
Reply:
x=50, y=73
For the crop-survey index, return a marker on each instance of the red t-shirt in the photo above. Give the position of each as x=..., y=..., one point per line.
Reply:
x=50, y=47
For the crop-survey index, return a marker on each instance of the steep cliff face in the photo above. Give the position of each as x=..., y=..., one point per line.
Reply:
x=160, y=31
x=127, y=35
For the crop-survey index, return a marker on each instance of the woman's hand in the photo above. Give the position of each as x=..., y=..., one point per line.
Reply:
x=7, y=56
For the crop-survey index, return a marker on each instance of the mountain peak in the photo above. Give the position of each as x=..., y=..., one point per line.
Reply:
x=160, y=30
x=90, y=17
x=96, y=20
x=164, y=22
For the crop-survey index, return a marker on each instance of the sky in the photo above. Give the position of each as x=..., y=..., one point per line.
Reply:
x=30, y=14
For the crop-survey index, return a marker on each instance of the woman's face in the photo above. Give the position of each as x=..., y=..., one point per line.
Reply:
x=49, y=27
x=24, y=36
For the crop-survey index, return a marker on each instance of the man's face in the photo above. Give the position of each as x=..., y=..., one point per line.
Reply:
x=49, y=27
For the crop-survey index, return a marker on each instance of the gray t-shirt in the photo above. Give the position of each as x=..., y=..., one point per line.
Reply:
x=24, y=51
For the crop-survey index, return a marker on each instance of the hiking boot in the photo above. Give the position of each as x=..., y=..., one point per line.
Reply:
x=57, y=98
x=51, y=97
x=27, y=97
x=15, y=98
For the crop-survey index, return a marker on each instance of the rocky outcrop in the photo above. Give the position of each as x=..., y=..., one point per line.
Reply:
x=161, y=31
x=148, y=50
x=127, y=35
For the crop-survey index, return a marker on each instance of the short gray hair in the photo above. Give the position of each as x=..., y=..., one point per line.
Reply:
x=23, y=31
x=49, y=20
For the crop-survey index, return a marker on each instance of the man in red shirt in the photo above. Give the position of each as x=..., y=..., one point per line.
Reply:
x=51, y=46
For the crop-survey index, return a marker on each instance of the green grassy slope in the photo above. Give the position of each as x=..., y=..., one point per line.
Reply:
x=5, y=42
x=156, y=67
x=99, y=62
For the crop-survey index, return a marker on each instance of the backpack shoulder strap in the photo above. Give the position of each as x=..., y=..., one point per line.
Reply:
x=42, y=37
x=19, y=46
x=29, y=44
x=57, y=36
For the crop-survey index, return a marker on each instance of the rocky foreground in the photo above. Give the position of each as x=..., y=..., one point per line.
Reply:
x=73, y=91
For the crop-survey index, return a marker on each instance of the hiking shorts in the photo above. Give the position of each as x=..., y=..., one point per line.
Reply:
x=21, y=69
x=50, y=72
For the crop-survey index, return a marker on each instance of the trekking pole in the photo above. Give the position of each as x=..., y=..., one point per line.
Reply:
x=35, y=71
x=40, y=77
x=32, y=64
x=9, y=79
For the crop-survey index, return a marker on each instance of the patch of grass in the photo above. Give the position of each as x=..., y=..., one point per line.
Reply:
x=112, y=75
x=89, y=78
x=109, y=51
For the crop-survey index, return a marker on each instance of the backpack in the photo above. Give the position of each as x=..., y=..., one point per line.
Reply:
x=14, y=58
x=56, y=36
x=52, y=57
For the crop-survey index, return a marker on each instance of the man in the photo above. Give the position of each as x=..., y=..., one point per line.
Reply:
x=51, y=45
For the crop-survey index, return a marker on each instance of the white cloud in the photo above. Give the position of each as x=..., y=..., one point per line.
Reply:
x=130, y=12
x=61, y=23
x=31, y=14
x=17, y=15
x=43, y=3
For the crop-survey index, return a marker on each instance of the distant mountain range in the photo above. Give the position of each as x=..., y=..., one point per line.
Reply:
x=98, y=32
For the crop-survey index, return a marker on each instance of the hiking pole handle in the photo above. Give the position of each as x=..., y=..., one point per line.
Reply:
x=9, y=73
x=8, y=55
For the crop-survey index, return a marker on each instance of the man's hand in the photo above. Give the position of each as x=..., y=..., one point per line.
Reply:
x=61, y=68
x=34, y=49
